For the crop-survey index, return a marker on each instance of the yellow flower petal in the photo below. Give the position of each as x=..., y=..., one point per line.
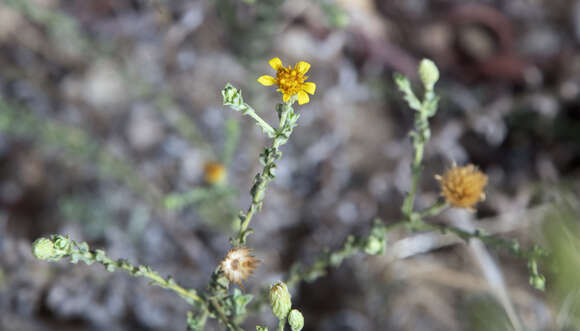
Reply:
x=309, y=87
x=286, y=97
x=303, y=98
x=266, y=80
x=276, y=63
x=302, y=67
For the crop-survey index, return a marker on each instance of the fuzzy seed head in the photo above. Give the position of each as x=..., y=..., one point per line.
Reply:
x=238, y=265
x=463, y=187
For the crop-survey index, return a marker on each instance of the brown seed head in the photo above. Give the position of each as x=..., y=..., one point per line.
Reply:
x=238, y=265
x=463, y=187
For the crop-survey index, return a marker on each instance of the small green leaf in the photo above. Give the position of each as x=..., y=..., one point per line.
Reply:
x=405, y=87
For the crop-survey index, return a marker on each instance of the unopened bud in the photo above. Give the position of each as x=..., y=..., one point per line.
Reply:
x=280, y=300
x=374, y=245
x=43, y=249
x=538, y=282
x=296, y=320
x=232, y=97
x=428, y=73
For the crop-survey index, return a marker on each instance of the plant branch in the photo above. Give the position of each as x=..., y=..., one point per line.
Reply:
x=59, y=247
x=288, y=121
x=232, y=97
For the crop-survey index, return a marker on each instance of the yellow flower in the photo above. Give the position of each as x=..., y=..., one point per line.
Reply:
x=215, y=172
x=290, y=80
x=463, y=187
x=238, y=265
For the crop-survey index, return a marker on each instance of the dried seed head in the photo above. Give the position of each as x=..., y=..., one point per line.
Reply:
x=239, y=265
x=463, y=187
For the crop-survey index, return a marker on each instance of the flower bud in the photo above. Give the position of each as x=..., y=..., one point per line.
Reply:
x=428, y=73
x=230, y=95
x=538, y=282
x=296, y=320
x=374, y=245
x=43, y=249
x=280, y=300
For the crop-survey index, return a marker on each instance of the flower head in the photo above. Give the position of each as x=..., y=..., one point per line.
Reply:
x=463, y=187
x=238, y=265
x=290, y=80
x=215, y=172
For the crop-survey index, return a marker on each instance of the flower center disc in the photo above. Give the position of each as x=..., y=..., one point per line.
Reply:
x=290, y=80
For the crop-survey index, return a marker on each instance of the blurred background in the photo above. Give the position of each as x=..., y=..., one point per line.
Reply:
x=110, y=109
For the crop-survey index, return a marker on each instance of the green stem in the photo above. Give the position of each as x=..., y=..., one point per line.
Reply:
x=420, y=137
x=281, y=324
x=61, y=247
x=221, y=315
x=169, y=284
x=263, y=124
x=261, y=181
x=510, y=245
x=435, y=209
x=232, y=97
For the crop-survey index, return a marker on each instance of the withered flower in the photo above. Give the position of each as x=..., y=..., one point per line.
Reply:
x=463, y=187
x=238, y=265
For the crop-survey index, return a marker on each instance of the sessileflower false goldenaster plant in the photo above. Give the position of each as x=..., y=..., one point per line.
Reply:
x=461, y=187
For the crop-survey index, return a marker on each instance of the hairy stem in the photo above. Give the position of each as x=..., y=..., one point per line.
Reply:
x=263, y=124
x=59, y=247
x=262, y=179
x=281, y=324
